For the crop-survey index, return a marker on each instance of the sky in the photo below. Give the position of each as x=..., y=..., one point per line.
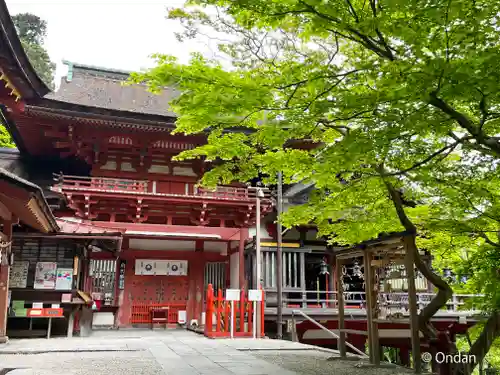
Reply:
x=119, y=34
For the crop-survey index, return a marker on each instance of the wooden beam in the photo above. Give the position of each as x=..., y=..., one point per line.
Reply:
x=55, y=134
x=13, y=104
x=63, y=144
x=371, y=308
x=5, y=212
x=199, y=245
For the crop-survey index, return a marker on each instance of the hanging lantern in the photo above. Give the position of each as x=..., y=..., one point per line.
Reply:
x=446, y=272
x=356, y=270
x=323, y=268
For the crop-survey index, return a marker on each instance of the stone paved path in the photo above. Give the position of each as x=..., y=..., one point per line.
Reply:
x=140, y=352
x=173, y=352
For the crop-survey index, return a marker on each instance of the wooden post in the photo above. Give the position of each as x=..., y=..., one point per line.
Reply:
x=335, y=286
x=404, y=356
x=4, y=282
x=209, y=311
x=302, y=271
x=262, y=312
x=371, y=306
x=241, y=255
x=241, y=259
x=116, y=289
x=331, y=281
x=412, y=300
x=340, y=303
x=71, y=322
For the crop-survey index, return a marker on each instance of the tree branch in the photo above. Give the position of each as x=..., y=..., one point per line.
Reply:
x=444, y=290
x=466, y=123
x=352, y=11
x=490, y=242
x=373, y=5
x=449, y=147
x=484, y=110
x=364, y=39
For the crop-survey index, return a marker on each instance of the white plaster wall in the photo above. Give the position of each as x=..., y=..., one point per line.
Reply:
x=215, y=246
x=234, y=272
x=312, y=235
x=148, y=244
x=263, y=232
x=183, y=171
x=155, y=168
x=127, y=167
x=292, y=235
x=110, y=165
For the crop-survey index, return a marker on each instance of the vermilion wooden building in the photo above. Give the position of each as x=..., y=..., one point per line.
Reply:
x=110, y=149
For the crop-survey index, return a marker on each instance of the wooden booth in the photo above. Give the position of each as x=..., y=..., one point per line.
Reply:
x=48, y=279
x=21, y=204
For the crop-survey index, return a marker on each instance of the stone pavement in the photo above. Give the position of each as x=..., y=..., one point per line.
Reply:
x=176, y=352
x=142, y=352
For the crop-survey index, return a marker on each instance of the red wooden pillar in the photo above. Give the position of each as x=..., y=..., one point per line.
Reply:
x=334, y=281
x=200, y=288
x=228, y=266
x=196, y=273
x=241, y=257
x=4, y=283
x=404, y=356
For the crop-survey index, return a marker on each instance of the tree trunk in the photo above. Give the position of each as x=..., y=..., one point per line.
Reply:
x=491, y=330
x=480, y=361
x=482, y=345
x=443, y=295
x=444, y=290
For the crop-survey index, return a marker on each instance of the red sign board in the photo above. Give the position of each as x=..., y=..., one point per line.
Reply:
x=45, y=313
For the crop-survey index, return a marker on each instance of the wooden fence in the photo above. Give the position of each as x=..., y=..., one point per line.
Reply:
x=142, y=312
x=218, y=315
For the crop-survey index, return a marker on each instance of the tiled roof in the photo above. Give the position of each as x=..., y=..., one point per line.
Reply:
x=104, y=88
x=74, y=227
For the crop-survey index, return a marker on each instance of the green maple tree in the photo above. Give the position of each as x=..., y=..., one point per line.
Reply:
x=401, y=98
x=32, y=32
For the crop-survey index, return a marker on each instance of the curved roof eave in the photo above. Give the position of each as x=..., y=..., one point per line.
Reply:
x=14, y=61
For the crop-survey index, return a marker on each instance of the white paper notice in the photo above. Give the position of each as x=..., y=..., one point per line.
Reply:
x=45, y=275
x=64, y=279
x=19, y=274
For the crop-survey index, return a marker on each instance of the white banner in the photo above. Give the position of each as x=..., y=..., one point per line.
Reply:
x=151, y=267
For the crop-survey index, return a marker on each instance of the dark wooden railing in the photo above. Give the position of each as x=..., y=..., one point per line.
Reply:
x=143, y=187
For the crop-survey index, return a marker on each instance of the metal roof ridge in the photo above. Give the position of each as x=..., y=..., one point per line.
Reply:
x=95, y=67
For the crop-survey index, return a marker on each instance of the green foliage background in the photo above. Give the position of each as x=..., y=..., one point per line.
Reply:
x=399, y=94
x=32, y=32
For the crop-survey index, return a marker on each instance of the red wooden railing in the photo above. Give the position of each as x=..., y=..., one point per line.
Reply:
x=101, y=183
x=219, y=308
x=141, y=312
x=104, y=184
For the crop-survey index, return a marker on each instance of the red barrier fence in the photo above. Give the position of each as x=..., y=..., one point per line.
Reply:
x=219, y=309
x=142, y=312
